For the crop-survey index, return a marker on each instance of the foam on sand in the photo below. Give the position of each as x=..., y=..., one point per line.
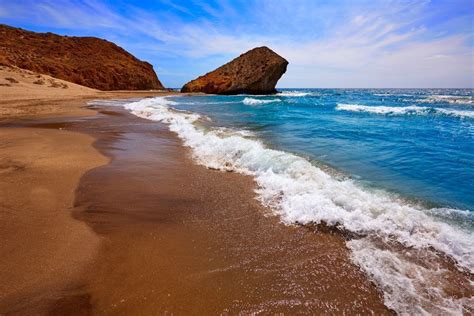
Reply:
x=300, y=192
x=409, y=286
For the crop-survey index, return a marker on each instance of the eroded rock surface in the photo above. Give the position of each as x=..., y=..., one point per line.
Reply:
x=88, y=61
x=255, y=72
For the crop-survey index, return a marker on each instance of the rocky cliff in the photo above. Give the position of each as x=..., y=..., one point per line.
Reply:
x=255, y=72
x=88, y=61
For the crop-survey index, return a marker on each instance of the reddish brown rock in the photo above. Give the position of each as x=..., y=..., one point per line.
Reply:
x=88, y=61
x=255, y=72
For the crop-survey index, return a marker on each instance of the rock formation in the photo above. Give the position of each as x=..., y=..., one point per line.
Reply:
x=255, y=72
x=88, y=61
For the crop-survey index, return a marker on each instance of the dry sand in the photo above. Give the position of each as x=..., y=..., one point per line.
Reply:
x=25, y=94
x=147, y=231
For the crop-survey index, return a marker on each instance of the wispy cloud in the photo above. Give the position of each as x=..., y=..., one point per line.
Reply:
x=340, y=43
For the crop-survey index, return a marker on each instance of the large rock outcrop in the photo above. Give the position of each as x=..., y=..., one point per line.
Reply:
x=255, y=72
x=88, y=61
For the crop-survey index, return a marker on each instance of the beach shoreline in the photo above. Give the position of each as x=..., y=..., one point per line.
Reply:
x=199, y=233
x=296, y=191
x=166, y=158
x=44, y=247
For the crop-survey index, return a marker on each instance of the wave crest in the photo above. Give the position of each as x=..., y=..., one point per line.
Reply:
x=300, y=192
x=405, y=110
x=294, y=94
x=452, y=99
x=252, y=101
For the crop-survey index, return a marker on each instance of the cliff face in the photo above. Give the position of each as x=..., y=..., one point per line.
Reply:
x=255, y=72
x=88, y=61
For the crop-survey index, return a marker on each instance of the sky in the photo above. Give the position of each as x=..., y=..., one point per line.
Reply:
x=329, y=44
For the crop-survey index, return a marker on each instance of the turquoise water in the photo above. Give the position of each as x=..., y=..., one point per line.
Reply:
x=395, y=168
x=419, y=143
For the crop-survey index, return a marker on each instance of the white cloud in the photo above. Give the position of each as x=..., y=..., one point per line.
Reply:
x=375, y=44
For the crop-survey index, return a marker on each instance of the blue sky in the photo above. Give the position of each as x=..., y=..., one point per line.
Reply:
x=392, y=43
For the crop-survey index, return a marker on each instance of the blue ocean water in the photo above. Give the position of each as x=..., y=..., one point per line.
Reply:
x=393, y=167
x=417, y=142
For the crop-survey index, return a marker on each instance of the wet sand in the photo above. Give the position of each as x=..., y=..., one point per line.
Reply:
x=43, y=249
x=179, y=238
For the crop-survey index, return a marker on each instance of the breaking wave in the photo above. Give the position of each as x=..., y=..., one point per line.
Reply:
x=457, y=113
x=405, y=110
x=294, y=94
x=453, y=99
x=301, y=193
x=252, y=101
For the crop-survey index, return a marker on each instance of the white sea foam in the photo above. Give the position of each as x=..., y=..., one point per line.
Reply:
x=300, y=192
x=394, y=110
x=404, y=110
x=409, y=288
x=393, y=94
x=252, y=101
x=207, y=102
x=457, y=113
x=225, y=132
x=294, y=94
x=453, y=99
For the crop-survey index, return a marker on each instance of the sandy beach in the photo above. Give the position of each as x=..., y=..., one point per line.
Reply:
x=229, y=158
x=106, y=213
x=43, y=248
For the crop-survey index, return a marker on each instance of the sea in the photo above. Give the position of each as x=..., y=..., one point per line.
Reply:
x=392, y=169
